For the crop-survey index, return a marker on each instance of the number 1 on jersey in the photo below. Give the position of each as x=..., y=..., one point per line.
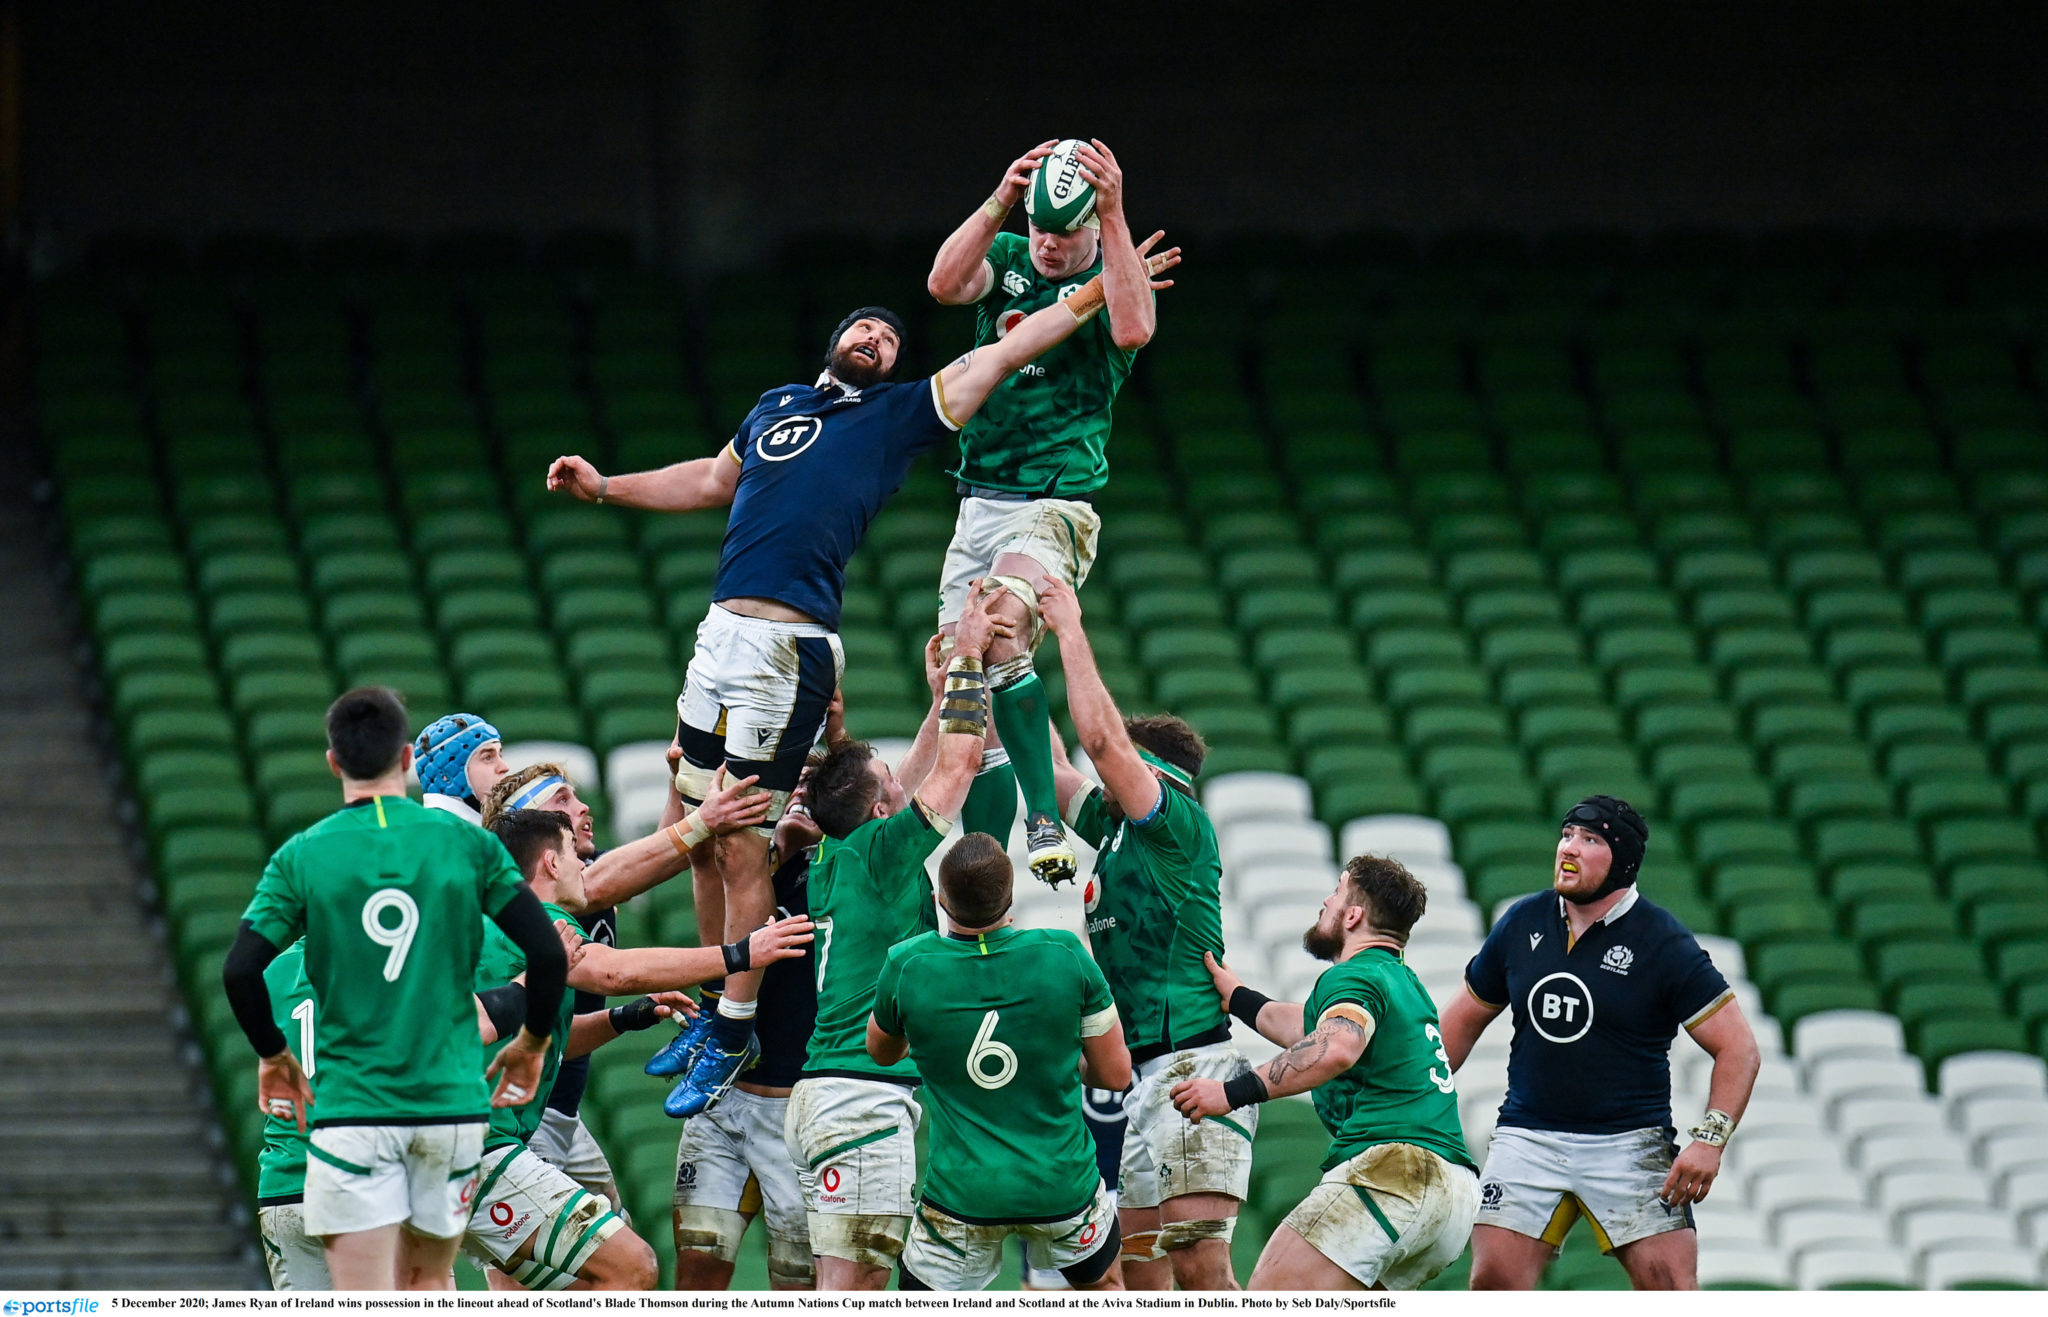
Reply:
x=303, y=1013
x=398, y=937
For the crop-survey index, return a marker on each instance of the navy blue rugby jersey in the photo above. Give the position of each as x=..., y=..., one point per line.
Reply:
x=817, y=462
x=1594, y=1019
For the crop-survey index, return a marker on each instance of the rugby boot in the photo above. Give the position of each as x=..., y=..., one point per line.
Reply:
x=679, y=1054
x=710, y=1077
x=1051, y=858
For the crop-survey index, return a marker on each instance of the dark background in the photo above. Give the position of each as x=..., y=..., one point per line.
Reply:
x=709, y=131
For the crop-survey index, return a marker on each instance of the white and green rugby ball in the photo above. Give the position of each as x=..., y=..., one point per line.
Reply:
x=1060, y=200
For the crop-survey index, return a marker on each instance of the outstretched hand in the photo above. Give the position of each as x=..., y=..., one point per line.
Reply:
x=1059, y=608
x=575, y=476
x=779, y=940
x=1100, y=169
x=1223, y=977
x=979, y=622
x=1018, y=176
x=1160, y=262
x=733, y=805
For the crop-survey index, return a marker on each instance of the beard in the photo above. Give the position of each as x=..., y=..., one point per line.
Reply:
x=857, y=371
x=1322, y=943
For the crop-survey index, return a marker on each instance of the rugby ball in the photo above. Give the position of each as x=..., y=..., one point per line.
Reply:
x=1060, y=200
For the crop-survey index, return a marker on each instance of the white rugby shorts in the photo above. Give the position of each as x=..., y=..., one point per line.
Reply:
x=755, y=697
x=732, y=1164
x=565, y=1143
x=1538, y=1182
x=947, y=1253
x=1166, y=1155
x=361, y=1177
x=1394, y=1215
x=297, y=1260
x=1056, y=533
x=525, y=1198
x=857, y=1139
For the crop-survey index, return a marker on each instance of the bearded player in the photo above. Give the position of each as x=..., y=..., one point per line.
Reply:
x=1399, y=1190
x=805, y=475
x=1033, y=456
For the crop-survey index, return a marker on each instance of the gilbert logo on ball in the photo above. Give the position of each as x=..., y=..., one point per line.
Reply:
x=1060, y=200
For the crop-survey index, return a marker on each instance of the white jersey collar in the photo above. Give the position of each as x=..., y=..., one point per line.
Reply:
x=452, y=805
x=1620, y=908
x=827, y=377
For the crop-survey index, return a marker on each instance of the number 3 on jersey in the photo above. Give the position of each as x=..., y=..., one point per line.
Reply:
x=398, y=937
x=986, y=1047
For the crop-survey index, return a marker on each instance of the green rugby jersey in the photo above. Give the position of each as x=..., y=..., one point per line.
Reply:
x=868, y=892
x=1154, y=906
x=389, y=896
x=1046, y=428
x=281, y=1166
x=996, y=1023
x=501, y=962
x=1400, y=1089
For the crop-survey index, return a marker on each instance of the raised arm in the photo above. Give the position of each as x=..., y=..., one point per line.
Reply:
x=1332, y=1048
x=1126, y=284
x=707, y=482
x=1097, y=720
x=959, y=719
x=626, y=871
x=960, y=273
x=616, y=972
x=1277, y=1021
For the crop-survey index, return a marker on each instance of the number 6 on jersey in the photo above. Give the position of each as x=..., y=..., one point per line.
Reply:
x=985, y=1046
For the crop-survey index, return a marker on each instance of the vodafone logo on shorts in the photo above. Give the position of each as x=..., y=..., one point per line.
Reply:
x=828, y=1182
x=1088, y=1234
x=1561, y=1007
x=501, y=1214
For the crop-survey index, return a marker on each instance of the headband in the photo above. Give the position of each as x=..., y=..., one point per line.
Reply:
x=1174, y=771
x=528, y=796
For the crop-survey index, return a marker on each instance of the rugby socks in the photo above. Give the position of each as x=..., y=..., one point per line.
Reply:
x=991, y=804
x=1023, y=718
x=733, y=1025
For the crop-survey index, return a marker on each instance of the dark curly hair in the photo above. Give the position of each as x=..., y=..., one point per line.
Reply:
x=842, y=791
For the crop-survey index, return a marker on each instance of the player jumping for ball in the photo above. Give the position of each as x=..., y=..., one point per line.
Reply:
x=1033, y=457
x=806, y=474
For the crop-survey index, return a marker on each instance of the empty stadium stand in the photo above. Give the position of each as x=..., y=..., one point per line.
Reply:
x=1429, y=544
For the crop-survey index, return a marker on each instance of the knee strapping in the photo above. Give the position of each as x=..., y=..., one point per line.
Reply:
x=1177, y=1235
x=872, y=1241
x=712, y=1231
x=1142, y=1246
x=1009, y=672
x=1026, y=594
x=790, y=1263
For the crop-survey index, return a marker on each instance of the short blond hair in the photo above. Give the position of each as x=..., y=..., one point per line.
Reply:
x=516, y=781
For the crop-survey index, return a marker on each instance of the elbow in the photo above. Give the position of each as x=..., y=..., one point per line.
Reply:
x=939, y=289
x=1130, y=340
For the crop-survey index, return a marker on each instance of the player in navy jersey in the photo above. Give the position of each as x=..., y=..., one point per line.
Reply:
x=808, y=470
x=1599, y=981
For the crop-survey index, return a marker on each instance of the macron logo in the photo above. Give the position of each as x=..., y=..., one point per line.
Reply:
x=1534, y=938
x=785, y=400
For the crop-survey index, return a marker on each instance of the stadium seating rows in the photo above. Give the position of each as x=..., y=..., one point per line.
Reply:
x=1754, y=535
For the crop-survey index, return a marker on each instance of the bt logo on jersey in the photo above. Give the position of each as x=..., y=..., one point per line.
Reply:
x=1561, y=1007
x=790, y=438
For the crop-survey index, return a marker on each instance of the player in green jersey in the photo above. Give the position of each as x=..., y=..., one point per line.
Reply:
x=1399, y=1191
x=1033, y=455
x=1007, y=1024
x=295, y=1259
x=391, y=899
x=1155, y=908
x=851, y=1123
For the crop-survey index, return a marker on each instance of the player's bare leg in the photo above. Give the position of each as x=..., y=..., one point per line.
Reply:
x=1021, y=713
x=1289, y=1262
x=701, y=1271
x=424, y=1262
x=1205, y=1263
x=1140, y=1227
x=1669, y=1261
x=364, y=1259
x=846, y=1274
x=1504, y=1259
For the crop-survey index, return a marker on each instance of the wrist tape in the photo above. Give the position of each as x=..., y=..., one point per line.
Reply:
x=688, y=838
x=737, y=956
x=1245, y=1090
x=634, y=1016
x=963, y=708
x=1246, y=1004
x=994, y=208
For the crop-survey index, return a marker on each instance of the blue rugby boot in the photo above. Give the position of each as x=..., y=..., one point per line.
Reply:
x=710, y=1078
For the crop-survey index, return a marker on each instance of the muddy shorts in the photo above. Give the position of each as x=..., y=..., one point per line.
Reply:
x=1394, y=1215
x=857, y=1141
x=1165, y=1155
x=296, y=1260
x=1539, y=1182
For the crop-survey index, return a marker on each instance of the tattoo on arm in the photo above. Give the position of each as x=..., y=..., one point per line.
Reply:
x=965, y=359
x=1309, y=1052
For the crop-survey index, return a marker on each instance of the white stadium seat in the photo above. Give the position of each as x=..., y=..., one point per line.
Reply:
x=1801, y=1228
x=2009, y=1149
x=1298, y=880
x=2008, y=1074
x=1726, y=953
x=1783, y=1115
x=1872, y=1033
x=1862, y=1115
x=1990, y=1113
x=1277, y=927
x=1442, y=879
x=2025, y=1189
x=1722, y=1219
x=1923, y=1228
x=1405, y=837
x=1244, y=844
x=1238, y=796
x=1436, y=957
x=635, y=764
x=1795, y=1186
x=1896, y=1147
x=1452, y=920
x=2034, y=1229
x=637, y=809
x=1914, y=1187
x=1836, y=1076
x=1851, y=1264
x=1946, y=1268
x=576, y=760
x=1755, y=1152
x=1741, y=1263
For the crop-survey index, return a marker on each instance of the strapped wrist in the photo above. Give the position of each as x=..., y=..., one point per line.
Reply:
x=738, y=956
x=1246, y=1003
x=1713, y=1129
x=995, y=208
x=963, y=706
x=687, y=839
x=1245, y=1090
x=604, y=485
